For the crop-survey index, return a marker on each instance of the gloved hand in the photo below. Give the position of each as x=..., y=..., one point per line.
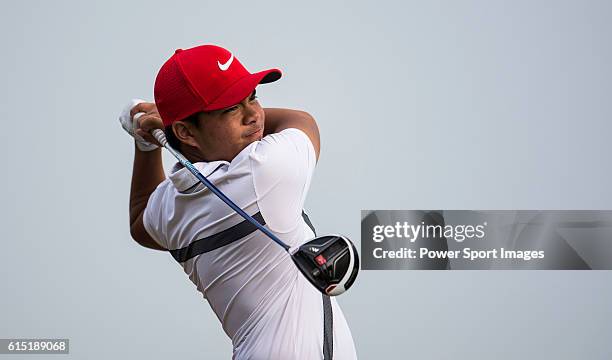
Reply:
x=131, y=124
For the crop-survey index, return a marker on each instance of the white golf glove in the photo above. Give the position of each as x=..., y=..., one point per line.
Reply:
x=130, y=125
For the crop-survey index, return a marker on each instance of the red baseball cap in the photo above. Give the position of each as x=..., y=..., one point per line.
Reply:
x=204, y=78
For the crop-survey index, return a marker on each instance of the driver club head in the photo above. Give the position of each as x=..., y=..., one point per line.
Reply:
x=329, y=262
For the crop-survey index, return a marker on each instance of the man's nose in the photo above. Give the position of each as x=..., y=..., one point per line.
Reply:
x=250, y=114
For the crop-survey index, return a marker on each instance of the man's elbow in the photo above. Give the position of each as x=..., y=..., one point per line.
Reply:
x=143, y=238
x=306, y=116
x=134, y=233
x=310, y=127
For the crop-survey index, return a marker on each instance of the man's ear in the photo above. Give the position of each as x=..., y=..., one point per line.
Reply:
x=184, y=133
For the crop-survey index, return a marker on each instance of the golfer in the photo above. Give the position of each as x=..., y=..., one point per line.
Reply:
x=263, y=159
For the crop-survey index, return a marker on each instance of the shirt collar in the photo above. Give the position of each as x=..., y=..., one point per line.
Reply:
x=183, y=179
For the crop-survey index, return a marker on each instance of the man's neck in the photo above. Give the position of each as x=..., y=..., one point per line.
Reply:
x=194, y=155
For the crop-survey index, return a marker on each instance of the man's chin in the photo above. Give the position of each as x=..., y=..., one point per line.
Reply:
x=252, y=140
x=256, y=136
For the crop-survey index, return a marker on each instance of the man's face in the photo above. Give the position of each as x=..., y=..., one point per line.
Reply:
x=222, y=134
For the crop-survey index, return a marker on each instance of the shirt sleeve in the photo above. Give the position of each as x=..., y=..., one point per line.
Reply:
x=282, y=166
x=151, y=219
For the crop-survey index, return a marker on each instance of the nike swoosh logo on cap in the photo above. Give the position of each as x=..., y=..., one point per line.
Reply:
x=226, y=66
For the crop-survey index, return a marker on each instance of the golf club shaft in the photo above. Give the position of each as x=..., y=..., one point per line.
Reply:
x=161, y=138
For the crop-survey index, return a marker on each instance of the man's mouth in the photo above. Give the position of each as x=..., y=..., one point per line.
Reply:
x=254, y=132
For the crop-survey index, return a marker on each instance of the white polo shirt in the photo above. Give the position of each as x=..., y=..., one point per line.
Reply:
x=266, y=306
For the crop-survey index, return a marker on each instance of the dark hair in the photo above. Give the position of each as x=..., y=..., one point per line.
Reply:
x=172, y=139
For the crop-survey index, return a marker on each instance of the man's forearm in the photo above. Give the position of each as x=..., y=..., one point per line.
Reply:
x=280, y=119
x=147, y=173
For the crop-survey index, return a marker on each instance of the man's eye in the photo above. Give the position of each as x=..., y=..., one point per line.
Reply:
x=232, y=109
x=253, y=98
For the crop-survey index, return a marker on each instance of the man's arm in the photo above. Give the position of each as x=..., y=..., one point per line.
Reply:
x=281, y=119
x=147, y=173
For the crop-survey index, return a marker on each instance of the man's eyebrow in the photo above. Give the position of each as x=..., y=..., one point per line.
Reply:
x=230, y=107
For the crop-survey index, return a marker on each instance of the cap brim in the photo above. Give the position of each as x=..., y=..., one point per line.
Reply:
x=243, y=88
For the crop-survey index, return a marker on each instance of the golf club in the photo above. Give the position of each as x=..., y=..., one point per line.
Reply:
x=329, y=262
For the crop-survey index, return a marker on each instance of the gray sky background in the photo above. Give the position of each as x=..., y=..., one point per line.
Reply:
x=421, y=105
